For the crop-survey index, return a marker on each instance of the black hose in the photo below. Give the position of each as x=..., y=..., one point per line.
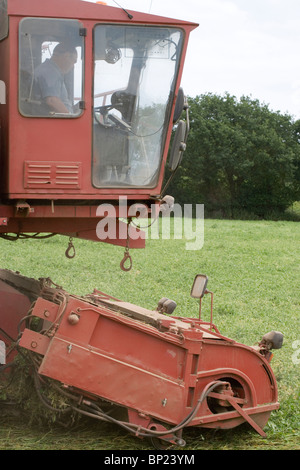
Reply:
x=144, y=432
x=43, y=399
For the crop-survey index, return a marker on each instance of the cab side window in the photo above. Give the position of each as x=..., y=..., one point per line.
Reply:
x=51, y=68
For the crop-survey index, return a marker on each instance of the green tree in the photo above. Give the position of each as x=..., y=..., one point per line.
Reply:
x=240, y=155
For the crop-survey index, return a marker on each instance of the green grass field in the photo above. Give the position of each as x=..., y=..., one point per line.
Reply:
x=254, y=272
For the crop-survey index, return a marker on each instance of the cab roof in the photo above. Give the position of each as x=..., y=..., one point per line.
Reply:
x=78, y=9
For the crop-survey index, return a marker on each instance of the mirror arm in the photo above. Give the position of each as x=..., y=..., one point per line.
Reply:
x=211, y=307
x=163, y=192
x=186, y=109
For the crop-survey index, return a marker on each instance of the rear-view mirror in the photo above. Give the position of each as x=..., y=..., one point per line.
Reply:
x=199, y=286
x=179, y=106
x=178, y=146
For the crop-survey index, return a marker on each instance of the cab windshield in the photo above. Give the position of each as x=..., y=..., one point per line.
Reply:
x=135, y=71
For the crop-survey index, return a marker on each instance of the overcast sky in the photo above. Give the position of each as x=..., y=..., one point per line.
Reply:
x=244, y=47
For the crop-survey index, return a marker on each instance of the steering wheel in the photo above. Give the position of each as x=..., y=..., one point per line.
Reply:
x=122, y=102
x=109, y=119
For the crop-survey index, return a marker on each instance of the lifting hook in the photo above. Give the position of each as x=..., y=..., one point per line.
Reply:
x=70, y=251
x=126, y=252
x=126, y=257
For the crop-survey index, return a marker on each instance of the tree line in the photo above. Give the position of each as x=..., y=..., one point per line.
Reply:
x=240, y=156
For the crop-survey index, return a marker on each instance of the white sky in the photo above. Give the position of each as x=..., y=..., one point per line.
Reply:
x=243, y=47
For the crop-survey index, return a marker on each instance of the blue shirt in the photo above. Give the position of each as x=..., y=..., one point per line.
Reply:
x=49, y=81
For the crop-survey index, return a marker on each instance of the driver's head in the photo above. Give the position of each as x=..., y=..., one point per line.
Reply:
x=65, y=56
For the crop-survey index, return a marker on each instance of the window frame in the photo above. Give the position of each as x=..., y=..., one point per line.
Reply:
x=166, y=122
x=81, y=102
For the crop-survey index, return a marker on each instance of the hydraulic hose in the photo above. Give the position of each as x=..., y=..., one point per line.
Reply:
x=145, y=432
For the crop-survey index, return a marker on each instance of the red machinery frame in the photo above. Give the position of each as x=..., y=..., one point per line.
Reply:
x=164, y=373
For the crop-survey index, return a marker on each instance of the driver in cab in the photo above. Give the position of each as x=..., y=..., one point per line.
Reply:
x=49, y=84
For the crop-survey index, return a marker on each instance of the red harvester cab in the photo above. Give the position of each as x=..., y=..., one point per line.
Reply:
x=118, y=75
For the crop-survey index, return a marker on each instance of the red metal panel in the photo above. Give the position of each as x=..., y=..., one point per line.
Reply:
x=52, y=175
x=45, y=310
x=84, y=228
x=107, y=376
x=244, y=363
x=34, y=341
x=106, y=353
x=108, y=331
